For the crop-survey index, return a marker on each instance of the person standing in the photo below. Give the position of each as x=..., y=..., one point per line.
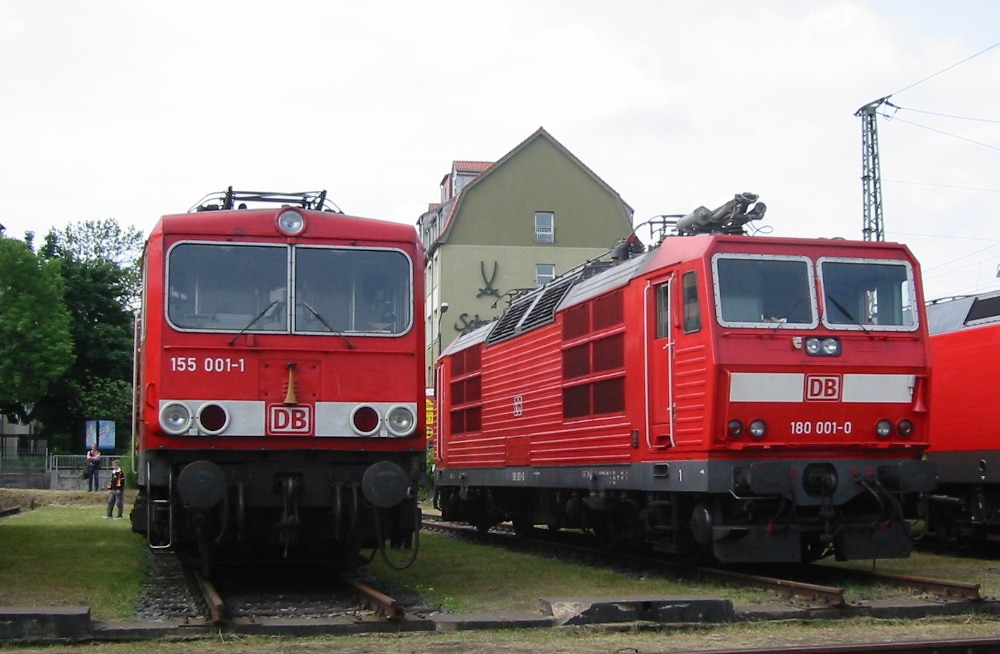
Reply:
x=116, y=488
x=93, y=464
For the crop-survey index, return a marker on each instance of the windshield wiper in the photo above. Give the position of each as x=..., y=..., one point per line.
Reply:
x=252, y=322
x=327, y=325
x=846, y=312
x=781, y=322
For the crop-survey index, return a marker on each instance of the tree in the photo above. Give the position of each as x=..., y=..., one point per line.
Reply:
x=101, y=241
x=101, y=281
x=35, y=344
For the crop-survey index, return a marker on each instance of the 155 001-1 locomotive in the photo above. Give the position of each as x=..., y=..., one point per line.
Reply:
x=720, y=396
x=279, y=380
x=965, y=433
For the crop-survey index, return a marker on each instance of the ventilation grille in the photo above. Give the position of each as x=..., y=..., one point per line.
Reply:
x=533, y=310
x=544, y=310
x=505, y=327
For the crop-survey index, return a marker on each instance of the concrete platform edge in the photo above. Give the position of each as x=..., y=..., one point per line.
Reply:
x=43, y=625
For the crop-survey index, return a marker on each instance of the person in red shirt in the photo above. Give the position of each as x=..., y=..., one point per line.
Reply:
x=93, y=464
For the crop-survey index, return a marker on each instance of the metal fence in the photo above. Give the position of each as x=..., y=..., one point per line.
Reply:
x=53, y=471
x=25, y=471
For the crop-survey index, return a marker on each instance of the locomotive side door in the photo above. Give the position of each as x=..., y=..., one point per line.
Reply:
x=659, y=345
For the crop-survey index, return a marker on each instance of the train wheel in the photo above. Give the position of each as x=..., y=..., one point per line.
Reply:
x=523, y=526
x=484, y=521
x=948, y=532
x=695, y=544
x=607, y=530
x=813, y=549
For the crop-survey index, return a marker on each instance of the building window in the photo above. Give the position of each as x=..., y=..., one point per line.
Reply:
x=544, y=273
x=545, y=227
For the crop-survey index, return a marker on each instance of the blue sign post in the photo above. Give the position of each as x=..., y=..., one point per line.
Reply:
x=102, y=432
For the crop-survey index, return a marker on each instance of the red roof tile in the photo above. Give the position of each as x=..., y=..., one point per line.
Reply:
x=471, y=166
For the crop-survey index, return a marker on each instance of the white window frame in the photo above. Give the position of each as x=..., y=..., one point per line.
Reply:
x=545, y=233
x=544, y=273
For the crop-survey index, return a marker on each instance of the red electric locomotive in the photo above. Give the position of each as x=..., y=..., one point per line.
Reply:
x=720, y=396
x=279, y=379
x=965, y=438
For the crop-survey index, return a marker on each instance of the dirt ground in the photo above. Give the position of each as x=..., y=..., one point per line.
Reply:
x=27, y=499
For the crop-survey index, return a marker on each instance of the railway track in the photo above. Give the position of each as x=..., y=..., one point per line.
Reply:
x=812, y=594
x=344, y=596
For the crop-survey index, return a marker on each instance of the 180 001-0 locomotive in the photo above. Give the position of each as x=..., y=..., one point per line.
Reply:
x=721, y=396
x=279, y=376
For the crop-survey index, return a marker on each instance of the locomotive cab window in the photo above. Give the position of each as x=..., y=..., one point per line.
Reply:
x=764, y=291
x=221, y=287
x=233, y=288
x=867, y=295
x=692, y=310
x=352, y=291
x=663, y=310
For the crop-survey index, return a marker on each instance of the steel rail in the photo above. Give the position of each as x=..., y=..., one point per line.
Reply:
x=941, y=588
x=827, y=596
x=216, y=606
x=383, y=605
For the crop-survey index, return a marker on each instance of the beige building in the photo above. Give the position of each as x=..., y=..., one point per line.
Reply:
x=510, y=225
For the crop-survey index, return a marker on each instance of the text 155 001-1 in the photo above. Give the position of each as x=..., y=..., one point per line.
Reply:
x=207, y=364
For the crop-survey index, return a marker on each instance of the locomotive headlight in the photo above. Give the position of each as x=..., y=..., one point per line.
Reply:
x=734, y=429
x=883, y=428
x=758, y=429
x=400, y=420
x=213, y=418
x=823, y=347
x=365, y=420
x=904, y=428
x=291, y=222
x=175, y=418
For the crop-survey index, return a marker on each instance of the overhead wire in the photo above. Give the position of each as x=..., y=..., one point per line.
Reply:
x=944, y=70
x=949, y=186
x=943, y=115
x=942, y=132
x=945, y=267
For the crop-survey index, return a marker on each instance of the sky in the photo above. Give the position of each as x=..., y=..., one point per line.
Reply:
x=130, y=109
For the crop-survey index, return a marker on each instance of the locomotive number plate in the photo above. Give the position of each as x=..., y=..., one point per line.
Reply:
x=821, y=428
x=207, y=364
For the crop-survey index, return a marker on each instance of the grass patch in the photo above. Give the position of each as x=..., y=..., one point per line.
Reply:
x=466, y=577
x=58, y=556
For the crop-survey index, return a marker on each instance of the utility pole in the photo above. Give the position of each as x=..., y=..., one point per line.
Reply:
x=873, y=227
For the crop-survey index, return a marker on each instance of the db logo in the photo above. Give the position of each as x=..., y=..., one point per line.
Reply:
x=823, y=388
x=283, y=420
